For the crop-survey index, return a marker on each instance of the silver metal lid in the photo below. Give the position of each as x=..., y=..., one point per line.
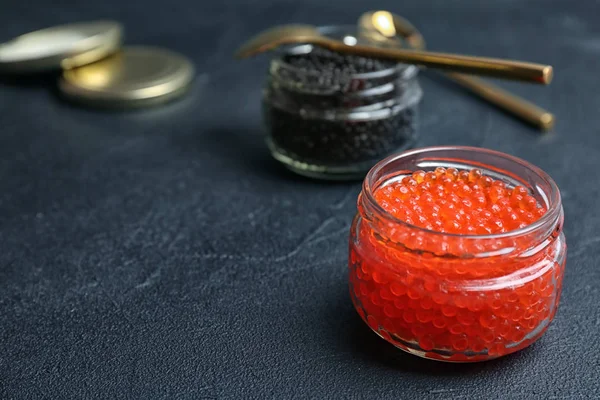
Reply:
x=133, y=77
x=64, y=46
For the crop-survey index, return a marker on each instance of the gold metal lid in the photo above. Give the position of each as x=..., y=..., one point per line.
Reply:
x=133, y=77
x=64, y=46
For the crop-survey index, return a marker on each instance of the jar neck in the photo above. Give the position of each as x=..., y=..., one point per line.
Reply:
x=330, y=82
x=522, y=242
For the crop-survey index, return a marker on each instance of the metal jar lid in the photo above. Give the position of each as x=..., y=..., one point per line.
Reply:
x=64, y=46
x=133, y=77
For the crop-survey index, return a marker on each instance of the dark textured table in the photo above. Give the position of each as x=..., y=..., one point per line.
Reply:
x=163, y=254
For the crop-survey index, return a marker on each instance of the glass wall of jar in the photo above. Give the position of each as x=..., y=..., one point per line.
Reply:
x=333, y=116
x=457, y=297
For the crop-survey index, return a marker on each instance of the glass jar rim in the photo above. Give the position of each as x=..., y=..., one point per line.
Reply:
x=553, y=199
x=409, y=70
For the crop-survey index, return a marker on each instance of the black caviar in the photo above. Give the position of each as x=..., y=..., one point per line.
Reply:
x=337, y=143
x=324, y=60
x=330, y=114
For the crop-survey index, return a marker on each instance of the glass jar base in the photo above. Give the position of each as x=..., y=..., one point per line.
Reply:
x=456, y=358
x=350, y=172
x=447, y=355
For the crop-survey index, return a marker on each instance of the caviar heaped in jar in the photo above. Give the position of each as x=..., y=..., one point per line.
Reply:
x=457, y=253
x=334, y=116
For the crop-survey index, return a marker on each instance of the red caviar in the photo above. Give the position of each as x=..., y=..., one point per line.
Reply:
x=435, y=269
x=464, y=202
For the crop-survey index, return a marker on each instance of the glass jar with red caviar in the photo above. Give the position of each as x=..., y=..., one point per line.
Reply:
x=457, y=253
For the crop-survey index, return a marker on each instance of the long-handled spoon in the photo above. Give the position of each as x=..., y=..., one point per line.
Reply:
x=307, y=34
x=394, y=27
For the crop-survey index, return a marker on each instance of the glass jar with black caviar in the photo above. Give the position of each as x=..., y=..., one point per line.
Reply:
x=333, y=116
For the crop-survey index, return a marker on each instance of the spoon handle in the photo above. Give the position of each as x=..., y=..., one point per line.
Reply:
x=506, y=69
x=506, y=101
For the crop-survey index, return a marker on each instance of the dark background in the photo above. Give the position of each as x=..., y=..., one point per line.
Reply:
x=162, y=254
